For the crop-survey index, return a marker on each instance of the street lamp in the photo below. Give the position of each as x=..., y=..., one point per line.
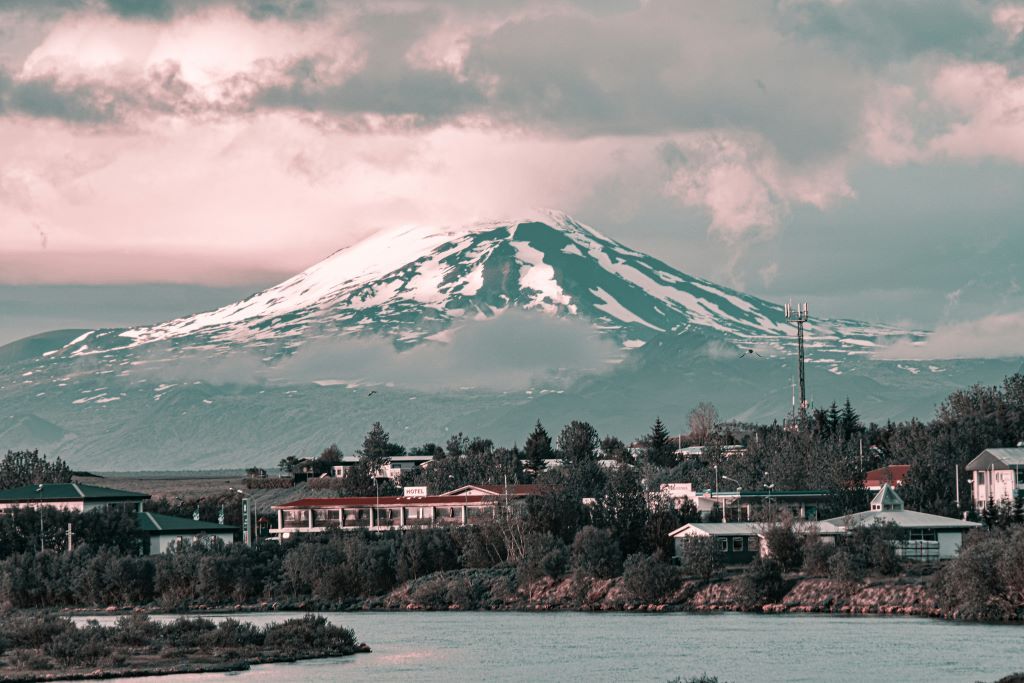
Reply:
x=247, y=510
x=725, y=504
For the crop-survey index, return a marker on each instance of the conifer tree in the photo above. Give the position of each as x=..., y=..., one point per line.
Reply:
x=537, y=449
x=660, y=449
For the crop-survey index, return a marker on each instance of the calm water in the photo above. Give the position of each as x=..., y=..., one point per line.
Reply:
x=568, y=646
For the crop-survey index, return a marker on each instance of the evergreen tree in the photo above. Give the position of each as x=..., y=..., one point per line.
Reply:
x=377, y=449
x=578, y=442
x=537, y=449
x=849, y=421
x=659, y=448
x=833, y=419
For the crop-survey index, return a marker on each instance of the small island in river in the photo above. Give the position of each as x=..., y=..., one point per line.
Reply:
x=39, y=647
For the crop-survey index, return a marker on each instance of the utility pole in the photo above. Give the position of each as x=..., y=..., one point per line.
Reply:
x=798, y=316
x=70, y=536
x=42, y=543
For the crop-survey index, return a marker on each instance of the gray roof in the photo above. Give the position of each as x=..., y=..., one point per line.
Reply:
x=997, y=458
x=887, y=498
x=721, y=529
x=905, y=519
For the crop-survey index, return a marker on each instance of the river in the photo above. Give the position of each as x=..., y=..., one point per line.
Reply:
x=446, y=647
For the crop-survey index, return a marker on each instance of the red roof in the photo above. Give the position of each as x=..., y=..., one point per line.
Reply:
x=372, y=501
x=890, y=474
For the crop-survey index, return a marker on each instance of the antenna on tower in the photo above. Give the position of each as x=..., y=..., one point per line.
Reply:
x=798, y=315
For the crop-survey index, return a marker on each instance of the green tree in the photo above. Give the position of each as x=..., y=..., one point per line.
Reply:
x=623, y=507
x=19, y=468
x=578, y=442
x=659, y=449
x=537, y=449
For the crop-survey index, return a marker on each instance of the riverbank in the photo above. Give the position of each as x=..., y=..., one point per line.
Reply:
x=496, y=590
x=44, y=647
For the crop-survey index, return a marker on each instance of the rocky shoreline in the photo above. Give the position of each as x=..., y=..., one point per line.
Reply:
x=494, y=590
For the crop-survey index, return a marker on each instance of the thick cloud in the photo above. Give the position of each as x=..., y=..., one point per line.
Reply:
x=513, y=351
x=994, y=336
x=232, y=141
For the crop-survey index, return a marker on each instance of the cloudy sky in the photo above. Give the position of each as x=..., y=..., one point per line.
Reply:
x=160, y=157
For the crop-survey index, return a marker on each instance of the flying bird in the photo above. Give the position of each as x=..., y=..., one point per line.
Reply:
x=750, y=352
x=372, y=392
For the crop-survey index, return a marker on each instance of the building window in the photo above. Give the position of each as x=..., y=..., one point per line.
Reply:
x=923, y=535
x=737, y=544
x=723, y=544
x=981, y=477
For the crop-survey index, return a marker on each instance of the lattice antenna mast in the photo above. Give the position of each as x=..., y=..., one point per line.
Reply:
x=798, y=315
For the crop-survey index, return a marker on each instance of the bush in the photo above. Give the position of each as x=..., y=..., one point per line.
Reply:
x=760, y=583
x=648, y=578
x=816, y=555
x=784, y=545
x=700, y=556
x=546, y=555
x=596, y=553
x=309, y=631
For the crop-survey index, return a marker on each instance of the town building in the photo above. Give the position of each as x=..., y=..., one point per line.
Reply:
x=160, y=531
x=745, y=506
x=458, y=507
x=997, y=475
x=164, y=531
x=927, y=536
x=893, y=475
x=71, y=496
x=739, y=542
x=393, y=470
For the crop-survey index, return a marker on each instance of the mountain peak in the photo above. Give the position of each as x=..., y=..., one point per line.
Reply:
x=410, y=282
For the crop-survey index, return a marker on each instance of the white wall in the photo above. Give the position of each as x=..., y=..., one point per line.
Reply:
x=949, y=543
x=73, y=505
x=161, y=543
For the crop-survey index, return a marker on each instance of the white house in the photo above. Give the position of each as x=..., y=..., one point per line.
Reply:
x=739, y=542
x=928, y=537
x=164, y=531
x=393, y=470
x=997, y=475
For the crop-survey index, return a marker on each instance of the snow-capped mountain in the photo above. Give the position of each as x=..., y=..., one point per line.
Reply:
x=412, y=283
x=208, y=390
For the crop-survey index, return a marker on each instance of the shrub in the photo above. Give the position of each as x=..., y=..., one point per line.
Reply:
x=233, y=633
x=309, y=631
x=545, y=555
x=34, y=630
x=816, y=555
x=699, y=556
x=784, y=545
x=596, y=553
x=760, y=583
x=648, y=578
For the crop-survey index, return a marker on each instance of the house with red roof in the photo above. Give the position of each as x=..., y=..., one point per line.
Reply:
x=458, y=507
x=893, y=475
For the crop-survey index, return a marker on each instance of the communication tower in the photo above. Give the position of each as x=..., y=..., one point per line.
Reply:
x=798, y=315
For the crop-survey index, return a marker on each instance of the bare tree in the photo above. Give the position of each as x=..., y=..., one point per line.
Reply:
x=703, y=420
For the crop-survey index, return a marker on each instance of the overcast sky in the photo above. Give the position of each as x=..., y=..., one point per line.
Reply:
x=865, y=156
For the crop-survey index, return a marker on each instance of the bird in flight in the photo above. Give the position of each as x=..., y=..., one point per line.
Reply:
x=750, y=352
x=372, y=392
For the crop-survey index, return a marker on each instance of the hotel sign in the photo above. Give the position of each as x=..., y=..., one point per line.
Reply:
x=414, y=491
